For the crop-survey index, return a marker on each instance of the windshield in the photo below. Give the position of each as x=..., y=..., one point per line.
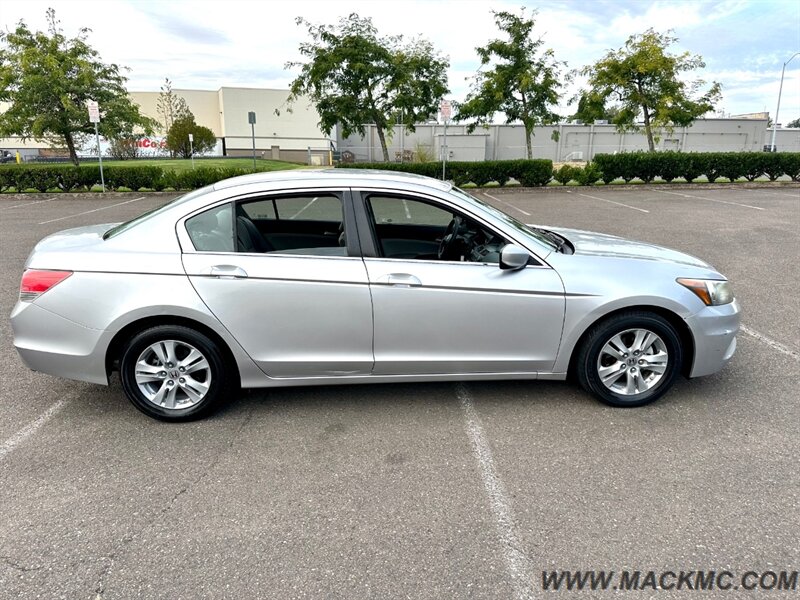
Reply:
x=154, y=211
x=509, y=220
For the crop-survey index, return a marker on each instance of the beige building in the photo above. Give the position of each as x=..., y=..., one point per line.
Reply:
x=280, y=133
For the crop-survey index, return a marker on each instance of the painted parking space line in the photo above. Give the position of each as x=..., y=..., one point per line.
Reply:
x=517, y=564
x=30, y=203
x=795, y=195
x=23, y=434
x=609, y=201
x=302, y=210
x=504, y=203
x=770, y=342
x=94, y=210
x=710, y=199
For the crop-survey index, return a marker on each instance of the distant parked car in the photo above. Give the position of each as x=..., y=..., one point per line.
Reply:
x=347, y=276
x=6, y=157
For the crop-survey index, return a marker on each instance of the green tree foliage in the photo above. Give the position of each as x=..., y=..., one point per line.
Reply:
x=795, y=123
x=593, y=108
x=47, y=78
x=178, y=137
x=647, y=82
x=170, y=106
x=354, y=77
x=522, y=81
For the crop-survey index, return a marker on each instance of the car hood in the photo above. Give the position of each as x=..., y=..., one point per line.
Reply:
x=589, y=243
x=74, y=238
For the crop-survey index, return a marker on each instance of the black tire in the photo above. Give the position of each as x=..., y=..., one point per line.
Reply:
x=220, y=380
x=588, y=359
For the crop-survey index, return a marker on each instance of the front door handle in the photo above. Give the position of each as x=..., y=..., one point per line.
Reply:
x=400, y=280
x=227, y=272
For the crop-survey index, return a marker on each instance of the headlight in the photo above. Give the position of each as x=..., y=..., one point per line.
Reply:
x=712, y=292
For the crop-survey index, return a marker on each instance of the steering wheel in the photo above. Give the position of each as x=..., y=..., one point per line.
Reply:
x=450, y=237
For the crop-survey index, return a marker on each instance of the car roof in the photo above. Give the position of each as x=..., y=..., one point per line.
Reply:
x=336, y=176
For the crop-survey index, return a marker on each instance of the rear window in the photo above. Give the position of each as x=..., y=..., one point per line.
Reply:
x=122, y=227
x=212, y=230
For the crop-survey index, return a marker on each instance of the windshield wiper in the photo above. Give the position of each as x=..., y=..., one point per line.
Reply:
x=559, y=240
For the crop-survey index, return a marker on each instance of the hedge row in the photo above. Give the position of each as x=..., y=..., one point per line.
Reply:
x=530, y=173
x=70, y=178
x=691, y=165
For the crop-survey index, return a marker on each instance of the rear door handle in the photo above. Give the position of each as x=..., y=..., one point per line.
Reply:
x=227, y=272
x=400, y=280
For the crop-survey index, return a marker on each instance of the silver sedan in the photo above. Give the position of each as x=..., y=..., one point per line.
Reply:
x=345, y=276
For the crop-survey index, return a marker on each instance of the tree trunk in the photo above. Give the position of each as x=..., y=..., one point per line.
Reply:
x=382, y=139
x=648, y=130
x=528, y=145
x=73, y=155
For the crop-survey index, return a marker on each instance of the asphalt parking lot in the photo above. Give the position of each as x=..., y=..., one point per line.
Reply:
x=418, y=490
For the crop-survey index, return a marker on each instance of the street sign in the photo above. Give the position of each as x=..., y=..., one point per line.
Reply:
x=94, y=111
x=446, y=109
x=191, y=137
x=251, y=118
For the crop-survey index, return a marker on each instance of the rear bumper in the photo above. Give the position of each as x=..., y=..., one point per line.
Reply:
x=714, y=329
x=57, y=346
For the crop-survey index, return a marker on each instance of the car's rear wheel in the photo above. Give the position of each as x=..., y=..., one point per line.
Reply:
x=630, y=359
x=174, y=373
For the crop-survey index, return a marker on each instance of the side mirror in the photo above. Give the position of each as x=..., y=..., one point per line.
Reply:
x=513, y=257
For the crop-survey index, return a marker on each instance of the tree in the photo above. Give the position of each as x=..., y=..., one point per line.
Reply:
x=48, y=78
x=354, y=77
x=647, y=82
x=523, y=81
x=593, y=108
x=178, y=137
x=170, y=106
x=795, y=123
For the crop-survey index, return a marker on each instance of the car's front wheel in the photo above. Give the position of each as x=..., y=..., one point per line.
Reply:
x=630, y=359
x=173, y=373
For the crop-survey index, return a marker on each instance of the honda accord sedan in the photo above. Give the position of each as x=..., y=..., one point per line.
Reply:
x=346, y=276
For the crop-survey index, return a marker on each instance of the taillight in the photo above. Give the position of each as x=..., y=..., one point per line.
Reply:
x=35, y=283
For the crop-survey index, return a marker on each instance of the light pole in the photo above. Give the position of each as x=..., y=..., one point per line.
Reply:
x=777, y=110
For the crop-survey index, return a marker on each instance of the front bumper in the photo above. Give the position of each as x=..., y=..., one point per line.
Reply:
x=51, y=344
x=714, y=329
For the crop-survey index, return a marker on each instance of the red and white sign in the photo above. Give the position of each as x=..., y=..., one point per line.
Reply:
x=152, y=143
x=446, y=109
x=94, y=111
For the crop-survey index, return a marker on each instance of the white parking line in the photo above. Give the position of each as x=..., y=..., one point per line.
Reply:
x=517, y=563
x=302, y=210
x=527, y=214
x=15, y=440
x=86, y=212
x=29, y=203
x=771, y=343
x=796, y=195
x=607, y=200
x=711, y=199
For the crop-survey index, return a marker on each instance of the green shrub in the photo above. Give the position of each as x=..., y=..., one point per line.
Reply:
x=790, y=164
x=693, y=165
x=772, y=165
x=588, y=175
x=670, y=165
x=564, y=174
x=528, y=172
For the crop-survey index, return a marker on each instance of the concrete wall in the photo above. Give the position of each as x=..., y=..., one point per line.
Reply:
x=571, y=142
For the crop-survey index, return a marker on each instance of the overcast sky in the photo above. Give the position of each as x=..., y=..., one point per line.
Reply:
x=209, y=44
